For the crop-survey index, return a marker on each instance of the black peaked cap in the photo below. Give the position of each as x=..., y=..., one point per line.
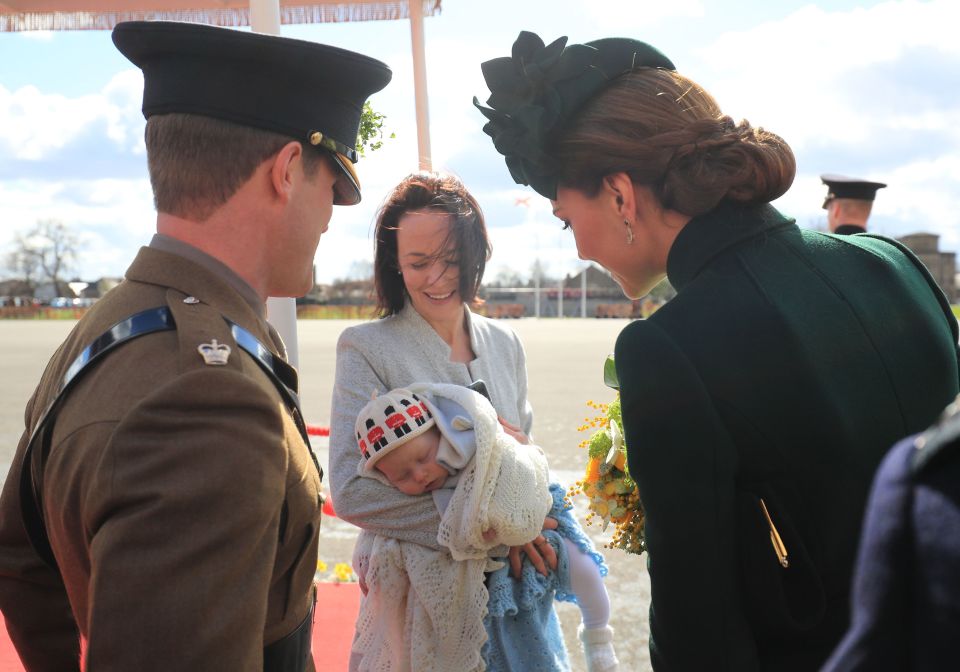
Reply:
x=841, y=186
x=293, y=87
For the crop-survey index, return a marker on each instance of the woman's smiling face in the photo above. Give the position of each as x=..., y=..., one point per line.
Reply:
x=430, y=271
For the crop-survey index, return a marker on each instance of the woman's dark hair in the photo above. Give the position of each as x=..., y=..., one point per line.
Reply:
x=466, y=240
x=667, y=133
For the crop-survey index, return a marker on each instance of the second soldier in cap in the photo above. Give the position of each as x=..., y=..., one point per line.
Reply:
x=848, y=203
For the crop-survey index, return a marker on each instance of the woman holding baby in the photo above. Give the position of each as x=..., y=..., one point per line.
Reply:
x=431, y=250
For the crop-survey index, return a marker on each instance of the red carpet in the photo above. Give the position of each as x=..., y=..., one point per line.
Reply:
x=337, y=605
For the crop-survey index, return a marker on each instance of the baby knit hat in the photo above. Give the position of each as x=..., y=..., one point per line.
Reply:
x=388, y=421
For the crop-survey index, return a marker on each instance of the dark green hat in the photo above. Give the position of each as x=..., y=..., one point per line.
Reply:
x=539, y=88
x=308, y=91
x=840, y=186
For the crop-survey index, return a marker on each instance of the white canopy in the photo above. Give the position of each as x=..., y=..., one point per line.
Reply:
x=19, y=15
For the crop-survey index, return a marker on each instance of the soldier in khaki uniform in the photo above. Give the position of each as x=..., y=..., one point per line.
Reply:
x=162, y=511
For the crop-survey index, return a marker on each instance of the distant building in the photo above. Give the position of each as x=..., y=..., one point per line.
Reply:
x=599, y=283
x=347, y=293
x=602, y=292
x=15, y=288
x=100, y=287
x=47, y=292
x=942, y=265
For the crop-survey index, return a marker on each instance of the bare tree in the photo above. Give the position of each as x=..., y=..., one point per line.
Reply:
x=506, y=277
x=23, y=264
x=360, y=269
x=46, y=252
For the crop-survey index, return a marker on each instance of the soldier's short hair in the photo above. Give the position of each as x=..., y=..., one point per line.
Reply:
x=197, y=163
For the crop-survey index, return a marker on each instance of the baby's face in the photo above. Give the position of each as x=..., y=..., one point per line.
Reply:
x=412, y=468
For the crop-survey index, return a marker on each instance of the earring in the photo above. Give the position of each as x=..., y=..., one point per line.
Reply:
x=629, y=232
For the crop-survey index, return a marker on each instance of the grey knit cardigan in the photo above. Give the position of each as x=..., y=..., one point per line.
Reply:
x=393, y=352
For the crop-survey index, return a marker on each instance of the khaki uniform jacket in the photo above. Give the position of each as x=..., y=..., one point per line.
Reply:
x=784, y=369
x=181, y=502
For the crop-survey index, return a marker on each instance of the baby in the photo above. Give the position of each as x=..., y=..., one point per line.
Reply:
x=421, y=443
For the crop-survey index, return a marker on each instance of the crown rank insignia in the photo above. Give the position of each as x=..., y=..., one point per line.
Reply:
x=213, y=353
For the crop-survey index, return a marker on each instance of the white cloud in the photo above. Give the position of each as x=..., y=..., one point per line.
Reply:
x=454, y=120
x=927, y=199
x=123, y=95
x=35, y=124
x=862, y=91
x=792, y=75
x=617, y=16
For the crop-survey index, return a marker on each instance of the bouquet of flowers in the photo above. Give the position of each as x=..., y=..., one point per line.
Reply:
x=612, y=493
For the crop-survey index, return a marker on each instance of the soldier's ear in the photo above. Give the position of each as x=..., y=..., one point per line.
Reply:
x=282, y=167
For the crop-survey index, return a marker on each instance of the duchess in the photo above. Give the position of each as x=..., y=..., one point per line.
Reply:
x=757, y=403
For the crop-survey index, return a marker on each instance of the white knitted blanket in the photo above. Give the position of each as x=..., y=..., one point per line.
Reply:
x=424, y=609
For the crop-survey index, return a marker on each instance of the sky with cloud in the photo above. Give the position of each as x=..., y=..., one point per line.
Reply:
x=857, y=88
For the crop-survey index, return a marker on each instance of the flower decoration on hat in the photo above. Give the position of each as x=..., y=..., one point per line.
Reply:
x=537, y=90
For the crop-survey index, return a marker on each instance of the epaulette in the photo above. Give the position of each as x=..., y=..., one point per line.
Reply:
x=939, y=441
x=204, y=336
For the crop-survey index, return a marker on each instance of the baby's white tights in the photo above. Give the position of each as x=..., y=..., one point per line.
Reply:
x=595, y=631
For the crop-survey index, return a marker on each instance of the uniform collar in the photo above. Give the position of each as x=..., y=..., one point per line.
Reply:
x=706, y=236
x=167, y=269
x=201, y=258
x=849, y=229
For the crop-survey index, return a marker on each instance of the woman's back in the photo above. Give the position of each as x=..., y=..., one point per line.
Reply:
x=786, y=367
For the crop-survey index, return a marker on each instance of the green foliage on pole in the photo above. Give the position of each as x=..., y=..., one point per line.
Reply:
x=370, y=133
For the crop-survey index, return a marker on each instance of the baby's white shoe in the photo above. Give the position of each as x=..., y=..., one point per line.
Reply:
x=598, y=649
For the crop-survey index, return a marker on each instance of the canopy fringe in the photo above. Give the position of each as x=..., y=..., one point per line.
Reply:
x=320, y=13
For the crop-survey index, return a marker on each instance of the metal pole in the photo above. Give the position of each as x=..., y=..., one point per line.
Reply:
x=420, y=84
x=583, y=293
x=536, y=289
x=265, y=16
x=282, y=312
x=560, y=300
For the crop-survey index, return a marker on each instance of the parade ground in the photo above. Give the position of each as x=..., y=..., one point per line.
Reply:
x=564, y=365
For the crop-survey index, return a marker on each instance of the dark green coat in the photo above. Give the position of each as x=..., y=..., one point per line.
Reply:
x=788, y=364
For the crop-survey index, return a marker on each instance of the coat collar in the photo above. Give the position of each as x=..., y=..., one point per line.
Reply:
x=849, y=229
x=165, y=269
x=708, y=235
x=430, y=339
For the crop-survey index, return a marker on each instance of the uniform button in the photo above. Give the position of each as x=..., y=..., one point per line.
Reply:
x=191, y=300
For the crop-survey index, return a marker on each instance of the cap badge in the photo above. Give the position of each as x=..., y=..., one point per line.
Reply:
x=316, y=138
x=213, y=353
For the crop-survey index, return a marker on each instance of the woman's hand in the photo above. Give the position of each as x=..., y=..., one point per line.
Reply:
x=539, y=551
x=514, y=431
